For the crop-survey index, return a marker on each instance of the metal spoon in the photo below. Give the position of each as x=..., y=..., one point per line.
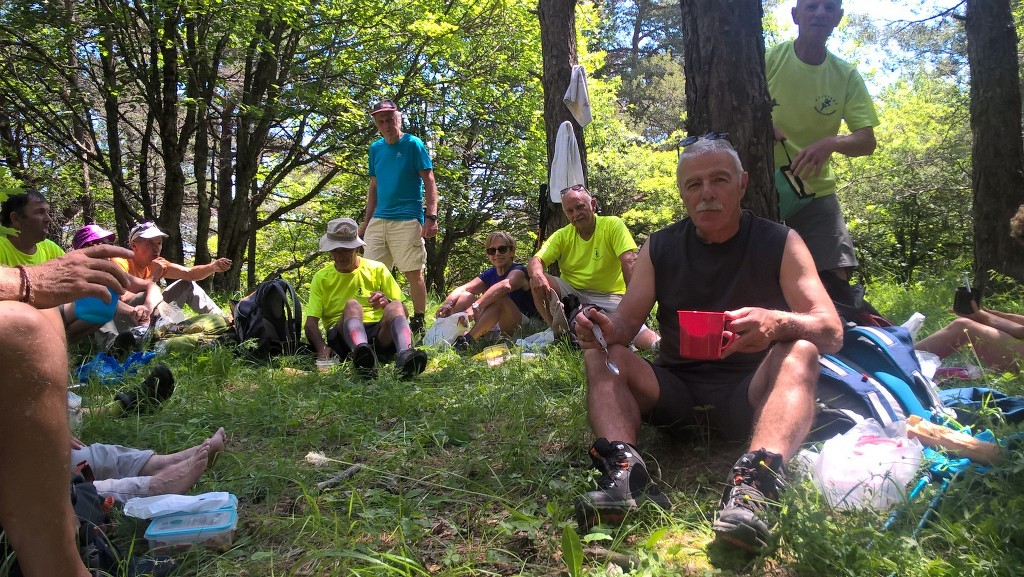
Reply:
x=612, y=367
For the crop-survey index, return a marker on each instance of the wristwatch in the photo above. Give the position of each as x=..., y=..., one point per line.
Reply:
x=432, y=217
x=476, y=306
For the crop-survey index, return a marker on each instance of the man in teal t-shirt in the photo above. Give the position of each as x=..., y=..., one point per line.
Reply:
x=29, y=214
x=401, y=204
x=814, y=93
x=361, y=307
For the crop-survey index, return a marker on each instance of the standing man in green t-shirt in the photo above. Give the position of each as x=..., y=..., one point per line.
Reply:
x=814, y=93
x=361, y=307
x=595, y=256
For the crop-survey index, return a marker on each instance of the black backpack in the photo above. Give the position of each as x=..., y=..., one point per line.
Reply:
x=272, y=317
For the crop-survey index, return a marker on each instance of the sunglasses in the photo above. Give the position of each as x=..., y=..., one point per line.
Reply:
x=709, y=136
x=141, y=227
x=97, y=242
x=575, y=188
x=497, y=250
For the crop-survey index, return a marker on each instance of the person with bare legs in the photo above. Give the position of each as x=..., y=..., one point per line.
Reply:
x=35, y=504
x=761, y=388
x=499, y=297
x=124, y=473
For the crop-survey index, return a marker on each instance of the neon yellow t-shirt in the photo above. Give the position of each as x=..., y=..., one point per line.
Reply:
x=812, y=102
x=590, y=264
x=11, y=256
x=330, y=290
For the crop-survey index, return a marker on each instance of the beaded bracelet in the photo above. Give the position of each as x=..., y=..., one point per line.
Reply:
x=26, y=285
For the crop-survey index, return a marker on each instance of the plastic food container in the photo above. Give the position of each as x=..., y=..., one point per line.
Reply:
x=180, y=531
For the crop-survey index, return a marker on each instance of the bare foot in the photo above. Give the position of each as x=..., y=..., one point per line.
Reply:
x=182, y=476
x=216, y=444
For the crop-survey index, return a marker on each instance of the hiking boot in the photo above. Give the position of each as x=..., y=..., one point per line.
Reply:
x=411, y=362
x=752, y=489
x=624, y=486
x=416, y=324
x=150, y=393
x=364, y=360
x=463, y=343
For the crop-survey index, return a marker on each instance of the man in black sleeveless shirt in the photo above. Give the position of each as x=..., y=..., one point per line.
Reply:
x=760, y=273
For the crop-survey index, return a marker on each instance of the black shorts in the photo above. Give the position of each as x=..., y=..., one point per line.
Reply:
x=337, y=343
x=686, y=405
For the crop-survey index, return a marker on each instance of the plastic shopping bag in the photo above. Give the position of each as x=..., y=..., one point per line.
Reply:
x=867, y=468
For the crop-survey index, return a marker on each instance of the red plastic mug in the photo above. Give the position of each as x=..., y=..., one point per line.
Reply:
x=702, y=335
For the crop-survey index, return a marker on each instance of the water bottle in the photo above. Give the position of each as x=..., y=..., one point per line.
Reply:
x=93, y=310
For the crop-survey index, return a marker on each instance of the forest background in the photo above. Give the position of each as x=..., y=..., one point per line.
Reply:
x=242, y=128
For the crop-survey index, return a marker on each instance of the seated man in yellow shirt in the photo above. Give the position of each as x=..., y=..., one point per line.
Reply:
x=29, y=215
x=595, y=256
x=146, y=242
x=361, y=307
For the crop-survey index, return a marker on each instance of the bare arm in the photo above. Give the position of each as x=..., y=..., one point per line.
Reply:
x=371, y=206
x=627, y=259
x=812, y=160
x=173, y=270
x=429, y=202
x=622, y=325
x=998, y=321
x=813, y=317
x=1014, y=318
x=516, y=280
x=77, y=274
x=316, y=338
x=461, y=298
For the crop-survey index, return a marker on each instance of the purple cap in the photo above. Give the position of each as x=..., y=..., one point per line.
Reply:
x=91, y=233
x=384, y=106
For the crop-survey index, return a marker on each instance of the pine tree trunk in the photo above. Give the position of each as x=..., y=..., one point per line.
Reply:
x=726, y=90
x=998, y=153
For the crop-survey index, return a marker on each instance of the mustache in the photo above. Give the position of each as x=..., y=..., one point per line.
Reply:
x=709, y=205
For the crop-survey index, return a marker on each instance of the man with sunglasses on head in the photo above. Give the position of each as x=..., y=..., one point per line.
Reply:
x=401, y=204
x=499, y=297
x=814, y=93
x=758, y=390
x=146, y=242
x=595, y=256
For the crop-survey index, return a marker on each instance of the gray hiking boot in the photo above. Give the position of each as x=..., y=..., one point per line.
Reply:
x=624, y=486
x=753, y=488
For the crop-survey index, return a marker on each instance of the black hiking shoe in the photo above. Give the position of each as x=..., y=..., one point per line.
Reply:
x=463, y=343
x=150, y=393
x=364, y=360
x=753, y=488
x=411, y=362
x=416, y=324
x=624, y=486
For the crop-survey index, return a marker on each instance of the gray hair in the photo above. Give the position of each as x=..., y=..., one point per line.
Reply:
x=706, y=146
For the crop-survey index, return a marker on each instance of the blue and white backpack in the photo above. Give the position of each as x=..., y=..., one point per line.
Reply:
x=875, y=375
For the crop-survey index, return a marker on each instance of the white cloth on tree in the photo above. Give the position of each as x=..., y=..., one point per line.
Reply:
x=576, y=98
x=566, y=165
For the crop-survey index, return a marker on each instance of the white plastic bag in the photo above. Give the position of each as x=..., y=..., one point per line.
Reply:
x=867, y=468
x=446, y=329
x=537, y=341
x=149, y=507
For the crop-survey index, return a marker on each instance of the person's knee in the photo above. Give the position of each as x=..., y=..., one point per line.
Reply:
x=395, y=308
x=798, y=357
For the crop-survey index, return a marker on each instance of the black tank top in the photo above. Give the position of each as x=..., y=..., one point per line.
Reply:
x=690, y=274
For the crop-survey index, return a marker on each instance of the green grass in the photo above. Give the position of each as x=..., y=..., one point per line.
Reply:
x=472, y=470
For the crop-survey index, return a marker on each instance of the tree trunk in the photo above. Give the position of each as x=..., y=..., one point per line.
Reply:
x=558, y=49
x=726, y=90
x=998, y=153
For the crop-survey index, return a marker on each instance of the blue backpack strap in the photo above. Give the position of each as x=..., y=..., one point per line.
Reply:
x=888, y=354
x=845, y=387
